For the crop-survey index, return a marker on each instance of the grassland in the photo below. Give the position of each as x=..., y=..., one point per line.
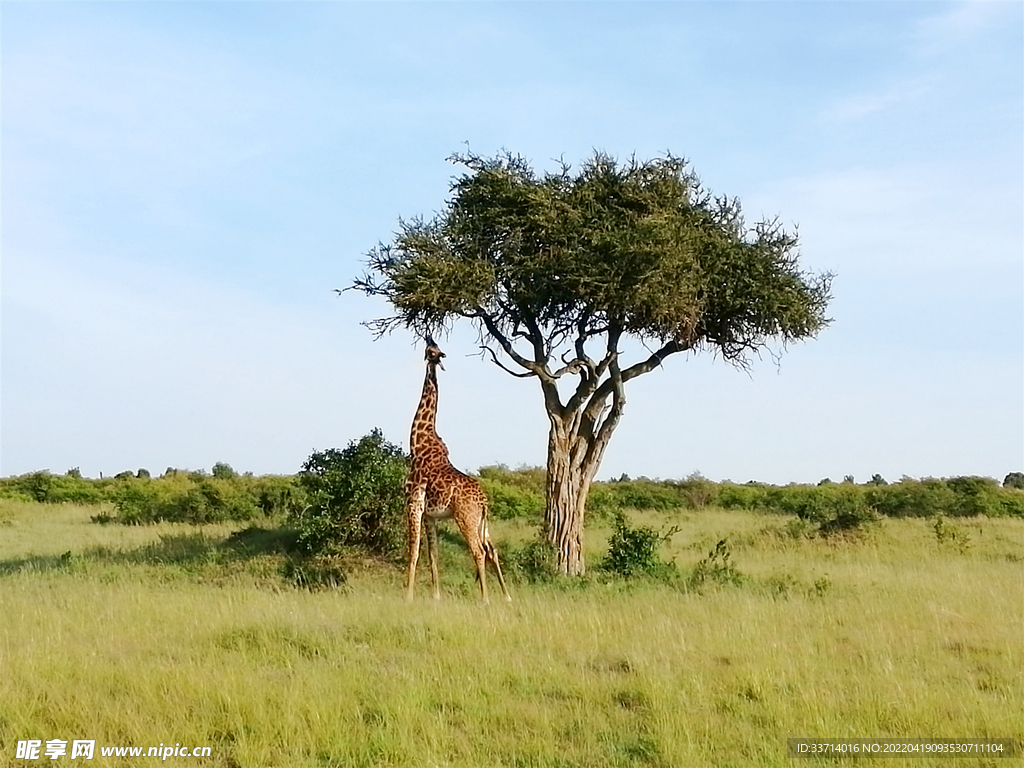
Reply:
x=181, y=634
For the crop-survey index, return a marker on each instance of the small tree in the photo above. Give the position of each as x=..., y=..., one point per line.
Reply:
x=354, y=497
x=1014, y=480
x=556, y=271
x=223, y=471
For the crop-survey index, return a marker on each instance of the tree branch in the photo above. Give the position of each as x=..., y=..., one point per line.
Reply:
x=604, y=432
x=536, y=369
x=574, y=366
x=547, y=382
x=655, y=359
x=505, y=368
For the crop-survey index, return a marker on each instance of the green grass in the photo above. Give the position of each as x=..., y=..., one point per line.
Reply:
x=165, y=633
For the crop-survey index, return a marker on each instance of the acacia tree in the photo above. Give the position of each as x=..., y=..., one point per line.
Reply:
x=557, y=270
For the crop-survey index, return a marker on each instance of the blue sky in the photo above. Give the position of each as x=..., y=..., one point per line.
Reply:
x=183, y=185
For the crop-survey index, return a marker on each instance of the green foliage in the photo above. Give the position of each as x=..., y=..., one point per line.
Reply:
x=535, y=562
x=634, y=551
x=846, y=502
x=831, y=507
x=532, y=479
x=749, y=496
x=849, y=519
x=640, y=245
x=354, y=497
x=950, y=533
x=913, y=498
x=198, y=497
x=277, y=496
x=54, y=489
x=514, y=493
x=835, y=509
x=698, y=491
x=645, y=494
x=716, y=568
x=975, y=496
x=184, y=498
x=223, y=471
x=1014, y=480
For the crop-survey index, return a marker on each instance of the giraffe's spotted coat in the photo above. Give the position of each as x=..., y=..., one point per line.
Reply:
x=436, y=490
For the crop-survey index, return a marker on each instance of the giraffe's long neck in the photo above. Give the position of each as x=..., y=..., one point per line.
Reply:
x=423, y=423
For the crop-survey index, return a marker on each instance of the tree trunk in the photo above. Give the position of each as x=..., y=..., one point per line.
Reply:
x=579, y=432
x=575, y=449
x=566, y=501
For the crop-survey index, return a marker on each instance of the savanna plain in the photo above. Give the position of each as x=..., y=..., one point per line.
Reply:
x=172, y=633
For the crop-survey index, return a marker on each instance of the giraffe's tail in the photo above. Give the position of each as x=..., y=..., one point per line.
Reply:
x=485, y=537
x=483, y=531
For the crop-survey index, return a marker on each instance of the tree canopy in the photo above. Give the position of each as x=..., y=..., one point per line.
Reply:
x=639, y=248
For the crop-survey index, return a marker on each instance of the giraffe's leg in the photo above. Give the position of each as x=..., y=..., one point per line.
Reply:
x=481, y=573
x=471, y=533
x=415, y=510
x=431, y=526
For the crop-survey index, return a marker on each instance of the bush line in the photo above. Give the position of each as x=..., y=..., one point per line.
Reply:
x=223, y=494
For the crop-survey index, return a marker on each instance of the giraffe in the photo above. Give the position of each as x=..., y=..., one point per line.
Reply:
x=436, y=490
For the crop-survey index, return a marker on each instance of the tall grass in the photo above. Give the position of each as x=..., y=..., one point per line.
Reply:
x=175, y=634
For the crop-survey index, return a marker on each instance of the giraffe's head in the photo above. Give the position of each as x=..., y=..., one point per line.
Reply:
x=432, y=354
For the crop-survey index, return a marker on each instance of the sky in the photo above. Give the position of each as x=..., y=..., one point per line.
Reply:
x=183, y=186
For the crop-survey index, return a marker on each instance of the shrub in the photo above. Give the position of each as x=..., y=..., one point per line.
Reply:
x=533, y=479
x=214, y=500
x=974, y=496
x=601, y=501
x=716, y=567
x=223, y=471
x=182, y=498
x=535, y=562
x=834, y=509
x=278, y=495
x=634, y=551
x=136, y=502
x=53, y=489
x=1014, y=480
x=509, y=501
x=515, y=492
x=698, y=491
x=850, y=517
x=354, y=497
x=749, y=496
x=647, y=494
x=1011, y=504
x=948, y=533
